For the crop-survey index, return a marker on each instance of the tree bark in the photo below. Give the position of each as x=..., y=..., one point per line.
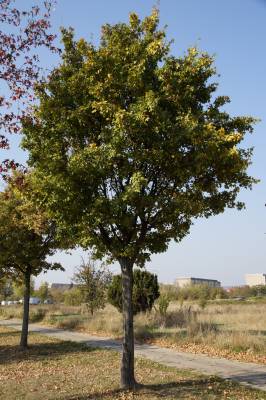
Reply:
x=26, y=301
x=127, y=362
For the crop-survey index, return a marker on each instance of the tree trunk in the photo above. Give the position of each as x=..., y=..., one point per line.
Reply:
x=26, y=301
x=127, y=362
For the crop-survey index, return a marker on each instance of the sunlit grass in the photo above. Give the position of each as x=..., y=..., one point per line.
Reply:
x=53, y=369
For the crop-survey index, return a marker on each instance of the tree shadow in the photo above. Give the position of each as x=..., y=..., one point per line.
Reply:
x=38, y=351
x=178, y=390
x=13, y=333
x=257, y=332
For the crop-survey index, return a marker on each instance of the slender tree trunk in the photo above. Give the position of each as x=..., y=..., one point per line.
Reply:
x=26, y=301
x=127, y=362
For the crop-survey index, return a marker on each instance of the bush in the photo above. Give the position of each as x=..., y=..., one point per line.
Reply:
x=37, y=315
x=203, y=302
x=246, y=291
x=163, y=304
x=73, y=297
x=193, y=292
x=93, y=282
x=69, y=323
x=145, y=291
x=171, y=291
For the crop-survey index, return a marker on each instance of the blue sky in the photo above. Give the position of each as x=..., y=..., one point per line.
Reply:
x=227, y=246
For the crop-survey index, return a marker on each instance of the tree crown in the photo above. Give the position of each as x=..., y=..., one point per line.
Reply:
x=129, y=144
x=21, y=247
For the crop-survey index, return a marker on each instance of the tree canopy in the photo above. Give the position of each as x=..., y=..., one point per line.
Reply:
x=129, y=143
x=21, y=247
x=23, y=250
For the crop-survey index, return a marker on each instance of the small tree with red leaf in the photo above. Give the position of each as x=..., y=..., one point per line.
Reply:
x=22, y=32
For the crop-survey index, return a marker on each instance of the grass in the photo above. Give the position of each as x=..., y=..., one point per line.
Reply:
x=235, y=331
x=53, y=369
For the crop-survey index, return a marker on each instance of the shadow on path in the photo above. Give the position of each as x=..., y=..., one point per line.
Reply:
x=254, y=378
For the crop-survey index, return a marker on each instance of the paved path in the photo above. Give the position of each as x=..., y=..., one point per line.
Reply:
x=245, y=373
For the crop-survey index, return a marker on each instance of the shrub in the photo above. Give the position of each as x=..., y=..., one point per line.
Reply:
x=145, y=291
x=37, y=315
x=193, y=292
x=43, y=291
x=69, y=323
x=163, y=304
x=93, y=282
x=202, y=303
x=73, y=297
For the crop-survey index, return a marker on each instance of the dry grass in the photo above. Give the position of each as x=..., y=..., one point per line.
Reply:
x=241, y=317
x=235, y=331
x=231, y=331
x=51, y=370
x=38, y=312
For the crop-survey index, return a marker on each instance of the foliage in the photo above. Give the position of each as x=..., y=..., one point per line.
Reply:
x=73, y=297
x=203, y=302
x=23, y=251
x=142, y=134
x=169, y=291
x=193, y=292
x=247, y=291
x=204, y=292
x=57, y=295
x=6, y=288
x=200, y=292
x=43, y=291
x=93, y=281
x=163, y=304
x=22, y=248
x=18, y=288
x=145, y=291
x=23, y=32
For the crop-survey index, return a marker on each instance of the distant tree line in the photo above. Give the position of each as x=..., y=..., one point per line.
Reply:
x=200, y=292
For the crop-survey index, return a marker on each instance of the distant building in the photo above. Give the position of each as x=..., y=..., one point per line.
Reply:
x=255, y=279
x=62, y=286
x=182, y=282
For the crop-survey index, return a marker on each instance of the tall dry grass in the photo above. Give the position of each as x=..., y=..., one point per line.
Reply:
x=230, y=327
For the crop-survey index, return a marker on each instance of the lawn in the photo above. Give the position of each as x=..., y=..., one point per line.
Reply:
x=53, y=369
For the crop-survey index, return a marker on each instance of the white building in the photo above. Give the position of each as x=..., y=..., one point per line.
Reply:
x=255, y=279
x=182, y=282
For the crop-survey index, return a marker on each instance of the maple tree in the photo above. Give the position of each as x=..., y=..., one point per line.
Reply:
x=22, y=32
x=130, y=146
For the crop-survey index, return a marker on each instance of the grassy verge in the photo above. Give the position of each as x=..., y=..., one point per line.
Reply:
x=53, y=369
x=233, y=331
